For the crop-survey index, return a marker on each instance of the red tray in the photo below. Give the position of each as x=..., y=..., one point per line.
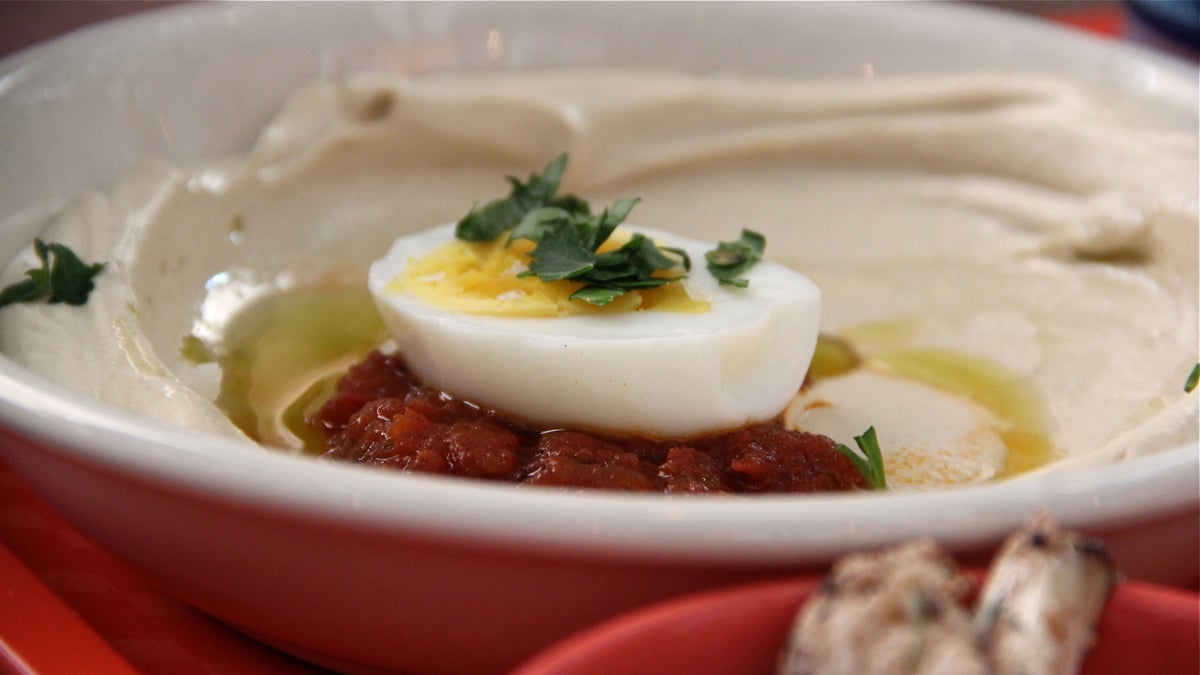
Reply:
x=66, y=606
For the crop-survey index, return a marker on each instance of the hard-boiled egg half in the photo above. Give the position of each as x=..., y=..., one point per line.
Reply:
x=690, y=357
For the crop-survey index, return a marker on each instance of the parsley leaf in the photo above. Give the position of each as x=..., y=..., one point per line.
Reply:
x=567, y=246
x=567, y=237
x=1192, y=380
x=500, y=215
x=871, y=467
x=598, y=295
x=730, y=259
x=62, y=278
x=560, y=254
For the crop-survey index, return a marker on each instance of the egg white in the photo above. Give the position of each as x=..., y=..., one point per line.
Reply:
x=650, y=372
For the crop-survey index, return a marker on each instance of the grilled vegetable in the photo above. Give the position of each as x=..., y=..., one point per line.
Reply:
x=900, y=610
x=1044, y=593
x=894, y=611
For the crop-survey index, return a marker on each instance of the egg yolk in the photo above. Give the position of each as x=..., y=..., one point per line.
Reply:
x=481, y=278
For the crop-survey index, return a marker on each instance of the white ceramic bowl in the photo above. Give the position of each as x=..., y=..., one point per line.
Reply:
x=370, y=570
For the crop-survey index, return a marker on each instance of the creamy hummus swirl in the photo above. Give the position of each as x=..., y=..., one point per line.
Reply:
x=1018, y=220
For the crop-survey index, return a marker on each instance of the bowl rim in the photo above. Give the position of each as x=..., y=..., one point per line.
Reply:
x=105, y=437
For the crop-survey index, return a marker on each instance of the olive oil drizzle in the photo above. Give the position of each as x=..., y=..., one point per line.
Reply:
x=285, y=356
x=1008, y=395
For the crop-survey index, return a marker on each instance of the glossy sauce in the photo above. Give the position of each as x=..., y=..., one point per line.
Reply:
x=383, y=416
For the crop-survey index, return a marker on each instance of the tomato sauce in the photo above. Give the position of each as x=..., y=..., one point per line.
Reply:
x=383, y=416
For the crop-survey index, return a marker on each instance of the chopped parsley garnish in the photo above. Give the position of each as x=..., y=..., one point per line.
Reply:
x=567, y=237
x=1192, y=379
x=871, y=467
x=62, y=278
x=567, y=246
x=501, y=215
x=730, y=259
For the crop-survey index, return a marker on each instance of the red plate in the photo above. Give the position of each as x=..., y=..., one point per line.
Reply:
x=1144, y=629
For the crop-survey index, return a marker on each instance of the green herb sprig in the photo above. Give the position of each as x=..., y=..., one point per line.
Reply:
x=1192, y=380
x=730, y=259
x=500, y=215
x=567, y=237
x=62, y=278
x=870, y=463
x=567, y=246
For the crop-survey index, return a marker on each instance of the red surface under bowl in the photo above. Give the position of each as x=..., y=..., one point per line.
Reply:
x=1144, y=629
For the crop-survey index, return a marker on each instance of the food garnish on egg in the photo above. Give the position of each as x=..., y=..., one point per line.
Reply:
x=536, y=307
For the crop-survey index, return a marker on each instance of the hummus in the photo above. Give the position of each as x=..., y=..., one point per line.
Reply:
x=1011, y=243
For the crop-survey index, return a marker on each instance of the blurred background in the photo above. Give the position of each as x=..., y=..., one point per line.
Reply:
x=1168, y=25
